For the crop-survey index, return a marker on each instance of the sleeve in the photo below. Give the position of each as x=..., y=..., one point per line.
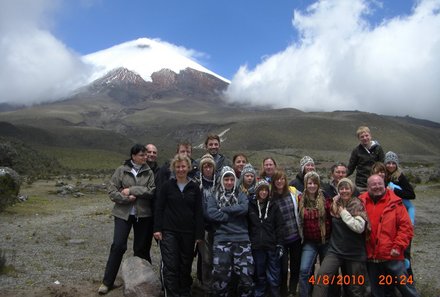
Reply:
x=115, y=186
x=145, y=190
x=198, y=212
x=405, y=230
x=239, y=209
x=352, y=163
x=160, y=208
x=380, y=154
x=406, y=191
x=214, y=213
x=356, y=224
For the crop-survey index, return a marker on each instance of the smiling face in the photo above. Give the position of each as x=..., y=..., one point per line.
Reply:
x=139, y=158
x=339, y=173
x=312, y=186
x=212, y=146
x=239, y=163
x=279, y=184
x=263, y=193
x=391, y=166
x=151, y=153
x=181, y=169
x=376, y=186
x=185, y=150
x=229, y=182
x=365, y=138
x=345, y=191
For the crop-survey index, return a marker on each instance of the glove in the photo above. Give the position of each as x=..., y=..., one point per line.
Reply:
x=279, y=251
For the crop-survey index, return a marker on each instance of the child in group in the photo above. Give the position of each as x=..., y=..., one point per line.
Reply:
x=266, y=233
x=247, y=181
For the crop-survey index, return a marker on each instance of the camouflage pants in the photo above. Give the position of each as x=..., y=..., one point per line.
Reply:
x=228, y=258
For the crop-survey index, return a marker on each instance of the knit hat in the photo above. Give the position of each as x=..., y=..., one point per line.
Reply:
x=248, y=168
x=207, y=158
x=391, y=157
x=261, y=183
x=348, y=181
x=304, y=161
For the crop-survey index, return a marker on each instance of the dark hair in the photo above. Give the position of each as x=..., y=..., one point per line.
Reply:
x=378, y=167
x=277, y=175
x=239, y=155
x=136, y=149
x=334, y=166
x=212, y=137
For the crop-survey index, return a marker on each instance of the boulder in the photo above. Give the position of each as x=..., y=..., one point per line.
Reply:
x=139, y=278
x=9, y=186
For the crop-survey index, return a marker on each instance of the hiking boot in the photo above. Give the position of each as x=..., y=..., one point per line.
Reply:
x=103, y=289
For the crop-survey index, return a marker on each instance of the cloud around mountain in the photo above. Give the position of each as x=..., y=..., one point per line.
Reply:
x=342, y=62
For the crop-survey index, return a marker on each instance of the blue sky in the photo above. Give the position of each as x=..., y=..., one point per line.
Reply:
x=230, y=33
x=380, y=56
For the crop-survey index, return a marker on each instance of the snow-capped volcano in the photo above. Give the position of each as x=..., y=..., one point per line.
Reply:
x=143, y=56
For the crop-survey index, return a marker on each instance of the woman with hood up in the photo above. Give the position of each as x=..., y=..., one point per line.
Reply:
x=227, y=211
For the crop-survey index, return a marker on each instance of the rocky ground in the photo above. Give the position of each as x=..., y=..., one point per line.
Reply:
x=57, y=246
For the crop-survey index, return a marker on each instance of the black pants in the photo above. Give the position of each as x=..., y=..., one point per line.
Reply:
x=143, y=234
x=177, y=250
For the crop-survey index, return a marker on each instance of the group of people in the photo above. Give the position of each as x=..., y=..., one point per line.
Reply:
x=261, y=235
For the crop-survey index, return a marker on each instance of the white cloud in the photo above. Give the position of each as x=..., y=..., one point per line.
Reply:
x=35, y=66
x=341, y=62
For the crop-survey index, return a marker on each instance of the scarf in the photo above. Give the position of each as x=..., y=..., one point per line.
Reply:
x=308, y=202
x=226, y=198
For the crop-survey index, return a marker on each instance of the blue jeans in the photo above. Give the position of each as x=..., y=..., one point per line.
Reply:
x=267, y=273
x=310, y=251
x=393, y=270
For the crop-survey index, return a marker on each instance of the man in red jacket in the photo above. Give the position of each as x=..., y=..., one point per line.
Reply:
x=391, y=232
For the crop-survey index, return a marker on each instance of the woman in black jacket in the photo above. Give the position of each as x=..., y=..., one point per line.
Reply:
x=178, y=225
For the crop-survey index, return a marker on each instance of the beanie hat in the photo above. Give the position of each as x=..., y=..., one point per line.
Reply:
x=248, y=168
x=391, y=157
x=304, y=161
x=309, y=175
x=207, y=158
x=260, y=184
x=348, y=181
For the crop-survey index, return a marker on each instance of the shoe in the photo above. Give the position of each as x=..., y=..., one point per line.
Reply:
x=103, y=289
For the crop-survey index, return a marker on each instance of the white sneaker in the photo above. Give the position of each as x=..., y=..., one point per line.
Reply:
x=103, y=289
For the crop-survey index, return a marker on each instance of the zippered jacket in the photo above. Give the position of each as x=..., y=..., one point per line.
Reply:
x=391, y=226
x=142, y=186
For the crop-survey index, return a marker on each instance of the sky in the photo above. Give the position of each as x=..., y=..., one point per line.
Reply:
x=369, y=55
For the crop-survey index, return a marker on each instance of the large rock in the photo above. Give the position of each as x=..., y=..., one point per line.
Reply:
x=9, y=186
x=139, y=278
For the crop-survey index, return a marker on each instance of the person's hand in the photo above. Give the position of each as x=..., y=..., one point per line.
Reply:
x=394, y=253
x=157, y=235
x=125, y=192
x=131, y=198
x=279, y=251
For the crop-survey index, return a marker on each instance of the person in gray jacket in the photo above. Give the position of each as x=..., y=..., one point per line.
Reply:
x=227, y=211
x=131, y=189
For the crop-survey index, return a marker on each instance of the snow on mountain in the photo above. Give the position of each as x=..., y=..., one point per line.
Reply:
x=143, y=56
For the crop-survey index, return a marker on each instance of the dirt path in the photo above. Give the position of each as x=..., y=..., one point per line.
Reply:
x=58, y=246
